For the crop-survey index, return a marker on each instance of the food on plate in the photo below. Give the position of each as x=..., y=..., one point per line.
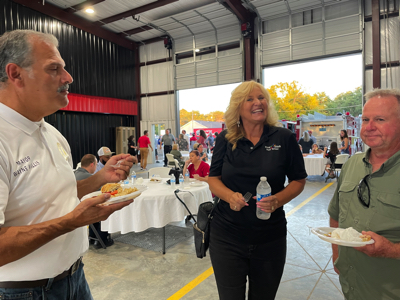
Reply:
x=116, y=190
x=155, y=179
x=349, y=235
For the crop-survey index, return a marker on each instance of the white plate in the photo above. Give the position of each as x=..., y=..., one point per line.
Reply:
x=320, y=231
x=119, y=199
x=197, y=183
x=192, y=180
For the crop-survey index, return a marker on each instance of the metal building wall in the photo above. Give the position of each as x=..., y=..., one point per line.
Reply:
x=99, y=68
x=87, y=132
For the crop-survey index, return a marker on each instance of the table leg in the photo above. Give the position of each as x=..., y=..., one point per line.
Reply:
x=98, y=236
x=163, y=249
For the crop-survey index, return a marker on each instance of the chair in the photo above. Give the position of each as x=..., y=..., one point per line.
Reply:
x=184, y=152
x=172, y=161
x=162, y=171
x=340, y=160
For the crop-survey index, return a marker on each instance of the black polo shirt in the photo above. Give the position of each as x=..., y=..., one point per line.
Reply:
x=276, y=155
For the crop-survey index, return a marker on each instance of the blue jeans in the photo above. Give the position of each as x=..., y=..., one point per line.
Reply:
x=72, y=287
x=234, y=262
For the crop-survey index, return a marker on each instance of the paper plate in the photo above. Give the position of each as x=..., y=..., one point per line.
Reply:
x=322, y=231
x=119, y=199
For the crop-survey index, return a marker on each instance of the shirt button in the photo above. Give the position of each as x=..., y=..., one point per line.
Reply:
x=356, y=221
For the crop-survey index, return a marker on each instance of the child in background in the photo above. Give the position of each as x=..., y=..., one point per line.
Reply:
x=333, y=151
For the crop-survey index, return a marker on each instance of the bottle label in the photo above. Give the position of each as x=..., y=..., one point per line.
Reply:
x=259, y=197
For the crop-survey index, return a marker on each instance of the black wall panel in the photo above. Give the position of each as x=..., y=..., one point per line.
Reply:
x=99, y=68
x=87, y=132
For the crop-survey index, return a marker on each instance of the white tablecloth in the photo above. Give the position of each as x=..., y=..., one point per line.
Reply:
x=315, y=164
x=156, y=207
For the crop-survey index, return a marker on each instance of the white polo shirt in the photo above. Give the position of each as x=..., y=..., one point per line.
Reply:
x=37, y=184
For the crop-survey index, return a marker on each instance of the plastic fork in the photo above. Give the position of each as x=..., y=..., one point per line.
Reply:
x=118, y=164
x=247, y=197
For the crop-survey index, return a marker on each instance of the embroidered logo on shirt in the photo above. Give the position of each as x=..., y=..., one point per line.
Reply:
x=273, y=147
x=62, y=151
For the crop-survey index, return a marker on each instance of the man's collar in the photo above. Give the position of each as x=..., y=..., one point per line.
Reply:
x=390, y=162
x=18, y=120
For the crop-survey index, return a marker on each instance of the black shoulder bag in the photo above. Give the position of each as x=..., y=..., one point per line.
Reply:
x=201, y=226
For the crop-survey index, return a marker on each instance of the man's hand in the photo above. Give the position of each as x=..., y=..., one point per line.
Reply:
x=381, y=248
x=90, y=211
x=112, y=174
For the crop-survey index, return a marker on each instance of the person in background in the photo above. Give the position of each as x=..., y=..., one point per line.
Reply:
x=172, y=136
x=333, y=152
x=87, y=169
x=132, y=149
x=186, y=137
x=42, y=222
x=198, y=169
x=168, y=140
x=202, y=153
x=104, y=154
x=305, y=142
x=144, y=144
x=193, y=141
x=157, y=143
x=210, y=142
x=367, y=198
x=202, y=138
x=345, y=145
x=182, y=143
x=316, y=150
x=177, y=155
x=244, y=248
x=314, y=139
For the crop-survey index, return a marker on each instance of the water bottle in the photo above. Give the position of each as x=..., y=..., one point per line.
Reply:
x=172, y=181
x=263, y=190
x=181, y=180
x=133, y=177
x=187, y=175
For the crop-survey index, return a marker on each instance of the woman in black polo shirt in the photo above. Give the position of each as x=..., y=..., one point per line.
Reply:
x=241, y=245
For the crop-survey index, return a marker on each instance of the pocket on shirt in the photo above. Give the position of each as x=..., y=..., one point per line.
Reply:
x=388, y=205
x=347, y=192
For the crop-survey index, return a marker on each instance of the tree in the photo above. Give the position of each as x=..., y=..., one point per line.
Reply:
x=290, y=100
x=186, y=116
x=350, y=101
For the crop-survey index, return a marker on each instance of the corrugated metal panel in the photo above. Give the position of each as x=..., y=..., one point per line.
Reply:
x=99, y=67
x=385, y=83
x=207, y=80
x=186, y=83
x=179, y=33
x=276, y=39
x=274, y=56
x=153, y=51
x=229, y=34
x=300, y=5
x=184, y=44
x=345, y=43
x=307, y=33
x=368, y=43
x=308, y=50
x=150, y=78
x=205, y=39
x=390, y=38
x=184, y=70
x=87, y=132
x=230, y=62
x=232, y=76
x=341, y=10
x=225, y=21
x=211, y=8
x=202, y=27
x=206, y=66
x=215, y=14
x=342, y=26
x=194, y=19
x=276, y=24
x=158, y=108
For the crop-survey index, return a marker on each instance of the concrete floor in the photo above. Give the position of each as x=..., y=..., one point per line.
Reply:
x=127, y=272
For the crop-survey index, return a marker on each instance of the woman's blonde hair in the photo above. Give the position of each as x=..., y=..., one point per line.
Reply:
x=175, y=147
x=232, y=116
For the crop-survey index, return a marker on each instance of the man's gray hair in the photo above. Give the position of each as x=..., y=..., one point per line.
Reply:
x=16, y=47
x=383, y=93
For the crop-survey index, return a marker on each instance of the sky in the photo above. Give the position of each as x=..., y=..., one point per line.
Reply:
x=332, y=76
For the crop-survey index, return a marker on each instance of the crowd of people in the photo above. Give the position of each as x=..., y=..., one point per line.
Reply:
x=43, y=223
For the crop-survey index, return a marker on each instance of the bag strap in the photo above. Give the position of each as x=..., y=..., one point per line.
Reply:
x=184, y=204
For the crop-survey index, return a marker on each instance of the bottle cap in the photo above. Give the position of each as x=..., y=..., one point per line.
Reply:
x=263, y=178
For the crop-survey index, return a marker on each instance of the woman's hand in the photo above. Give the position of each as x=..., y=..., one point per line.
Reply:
x=268, y=204
x=236, y=202
x=187, y=162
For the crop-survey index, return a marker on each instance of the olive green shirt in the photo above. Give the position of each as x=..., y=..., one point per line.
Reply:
x=363, y=277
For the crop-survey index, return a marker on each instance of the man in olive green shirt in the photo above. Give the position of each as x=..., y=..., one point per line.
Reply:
x=367, y=198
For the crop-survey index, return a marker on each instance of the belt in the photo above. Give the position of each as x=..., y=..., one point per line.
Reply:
x=42, y=282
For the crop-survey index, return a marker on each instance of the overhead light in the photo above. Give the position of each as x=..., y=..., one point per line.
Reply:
x=197, y=50
x=89, y=10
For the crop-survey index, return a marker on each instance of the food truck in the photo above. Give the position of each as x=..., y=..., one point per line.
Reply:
x=326, y=129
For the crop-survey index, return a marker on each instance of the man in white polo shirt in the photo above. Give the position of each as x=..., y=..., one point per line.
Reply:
x=42, y=233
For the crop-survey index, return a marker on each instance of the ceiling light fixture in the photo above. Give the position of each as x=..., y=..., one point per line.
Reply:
x=197, y=50
x=89, y=10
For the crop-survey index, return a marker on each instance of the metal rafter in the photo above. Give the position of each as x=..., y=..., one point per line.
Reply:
x=240, y=11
